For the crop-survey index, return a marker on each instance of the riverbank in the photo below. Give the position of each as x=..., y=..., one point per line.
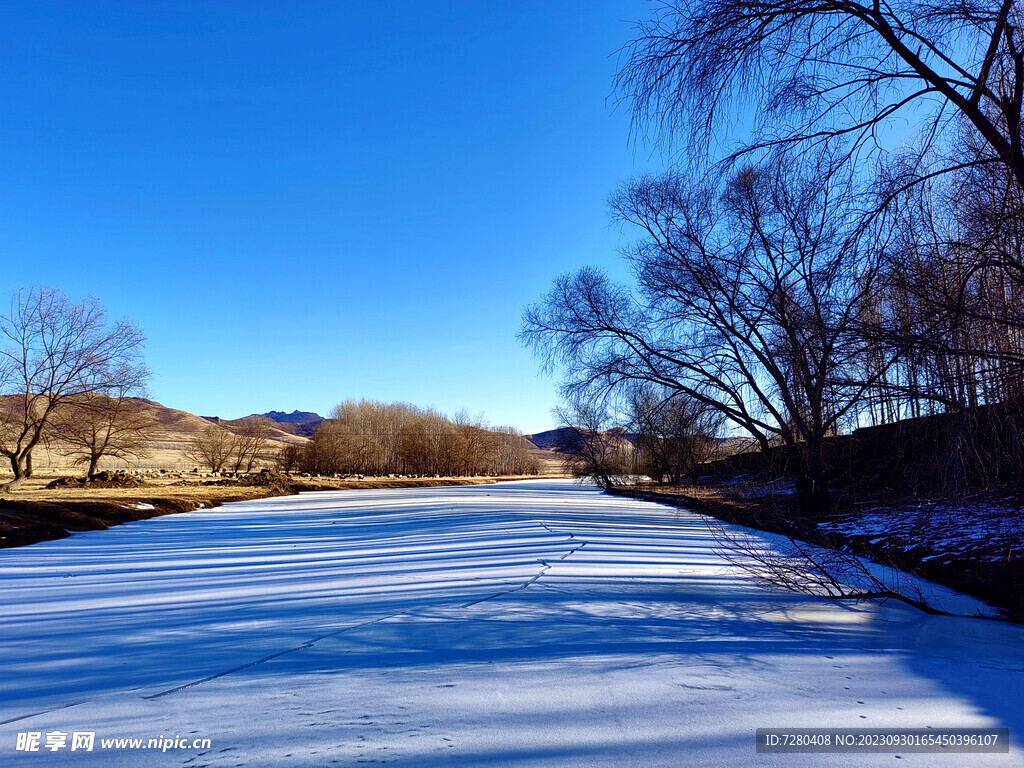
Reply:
x=973, y=544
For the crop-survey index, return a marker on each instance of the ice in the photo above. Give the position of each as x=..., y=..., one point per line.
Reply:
x=538, y=623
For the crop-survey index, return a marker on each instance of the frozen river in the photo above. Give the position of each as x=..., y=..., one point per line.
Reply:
x=525, y=624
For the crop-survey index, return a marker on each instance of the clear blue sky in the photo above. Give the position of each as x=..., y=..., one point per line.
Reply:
x=302, y=202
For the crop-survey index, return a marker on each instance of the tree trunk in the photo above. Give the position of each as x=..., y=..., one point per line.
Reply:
x=94, y=461
x=821, y=497
x=19, y=473
x=811, y=481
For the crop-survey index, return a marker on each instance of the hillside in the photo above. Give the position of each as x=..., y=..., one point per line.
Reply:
x=284, y=432
x=170, y=443
x=301, y=423
x=550, y=440
x=168, y=447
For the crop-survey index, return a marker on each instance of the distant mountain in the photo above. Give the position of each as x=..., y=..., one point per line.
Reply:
x=303, y=423
x=552, y=439
x=295, y=417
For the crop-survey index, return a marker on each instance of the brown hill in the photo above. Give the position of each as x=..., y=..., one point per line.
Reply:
x=168, y=446
x=281, y=433
x=551, y=440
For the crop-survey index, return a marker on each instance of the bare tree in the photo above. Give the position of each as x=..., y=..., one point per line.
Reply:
x=956, y=281
x=470, y=442
x=748, y=300
x=510, y=453
x=817, y=72
x=674, y=433
x=212, y=447
x=289, y=457
x=55, y=353
x=591, y=445
x=249, y=445
x=112, y=423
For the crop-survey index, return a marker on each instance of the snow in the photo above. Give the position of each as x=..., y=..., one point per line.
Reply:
x=854, y=572
x=525, y=624
x=982, y=531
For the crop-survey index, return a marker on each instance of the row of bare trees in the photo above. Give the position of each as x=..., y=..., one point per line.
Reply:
x=235, y=446
x=374, y=438
x=838, y=241
x=73, y=381
x=832, y=269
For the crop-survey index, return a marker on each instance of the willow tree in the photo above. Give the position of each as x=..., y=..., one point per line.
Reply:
x=748, y=298
x=804, y=73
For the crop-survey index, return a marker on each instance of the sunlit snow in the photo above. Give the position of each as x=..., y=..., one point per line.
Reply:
x=525, y=624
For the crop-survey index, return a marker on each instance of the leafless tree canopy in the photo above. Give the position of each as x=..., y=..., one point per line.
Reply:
x=233, y=447
x=593, y=446
x=803, y=73
x=288, y=458
x=212, y=447
x=674, y=435
x=249, y=443
x=950, y=298
x=646, y=431
x=113, y=424
x=843, y=245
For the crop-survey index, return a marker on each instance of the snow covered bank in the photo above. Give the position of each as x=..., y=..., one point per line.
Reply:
x=535, y=623
x=949, y=532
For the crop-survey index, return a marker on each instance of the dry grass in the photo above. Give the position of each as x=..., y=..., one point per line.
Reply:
x=167, y=449
x=34, y=490
x=551, y=462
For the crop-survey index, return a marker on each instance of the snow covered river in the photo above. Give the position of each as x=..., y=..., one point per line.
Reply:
x=525, y=624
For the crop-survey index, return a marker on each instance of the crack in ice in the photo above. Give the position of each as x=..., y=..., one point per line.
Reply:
x=310, y=643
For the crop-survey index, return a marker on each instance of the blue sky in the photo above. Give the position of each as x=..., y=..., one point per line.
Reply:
x=301, y=203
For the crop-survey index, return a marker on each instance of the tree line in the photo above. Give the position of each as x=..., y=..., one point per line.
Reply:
x=818, y=276
x=372, y=438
